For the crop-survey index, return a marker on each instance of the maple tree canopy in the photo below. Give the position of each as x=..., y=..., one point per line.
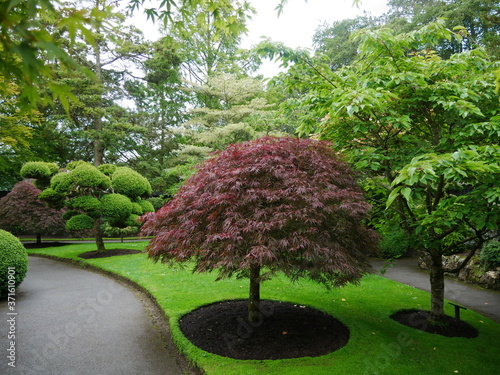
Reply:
x=284, y=204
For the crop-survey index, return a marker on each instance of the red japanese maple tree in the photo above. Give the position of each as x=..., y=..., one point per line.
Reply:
x=21, y=211
x=274, y=204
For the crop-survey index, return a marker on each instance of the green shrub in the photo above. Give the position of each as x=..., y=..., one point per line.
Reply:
x=107, y=169
x=13, y=262
x=69, y=214
x=72, y=165
x=86, y=175
x=136, y=208
x=146, y=206
x=52, y=197
x=394, y=244
x=90, y=205
x=132, y=221
x=130, y=183
x=156, y=202
x=53, y=167
x=80, y=222
x=116, y=206
x=36, y=169
x=61, y=182
x=490, y=255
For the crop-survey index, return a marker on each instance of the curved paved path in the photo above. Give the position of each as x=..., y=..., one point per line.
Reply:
x=72, y=321
x=406, y=271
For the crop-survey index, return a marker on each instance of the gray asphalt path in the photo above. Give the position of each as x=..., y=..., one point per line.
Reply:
x=483, y=301
x=71, y=321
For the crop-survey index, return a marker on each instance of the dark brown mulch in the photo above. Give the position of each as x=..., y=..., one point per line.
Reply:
x=34, y=245
x=449, y=327
x=285, y=330
x=107, y=253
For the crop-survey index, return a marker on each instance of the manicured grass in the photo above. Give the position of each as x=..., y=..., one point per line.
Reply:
x=378, y=345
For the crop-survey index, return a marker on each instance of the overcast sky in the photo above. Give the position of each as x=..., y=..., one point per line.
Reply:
x=296, y=25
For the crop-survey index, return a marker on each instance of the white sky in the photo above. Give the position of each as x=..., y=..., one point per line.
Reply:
x=296, y=25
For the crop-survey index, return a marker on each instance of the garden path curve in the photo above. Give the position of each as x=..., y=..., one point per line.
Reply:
x=74, y=321
x=406, y=271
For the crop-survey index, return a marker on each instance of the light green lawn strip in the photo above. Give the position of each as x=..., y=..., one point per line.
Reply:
x=378, y=345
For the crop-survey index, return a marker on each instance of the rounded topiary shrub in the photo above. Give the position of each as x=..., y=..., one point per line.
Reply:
x=86, y=175
x=116, y=206
x=156, y=203
x=53, y=167
x=146, y=206
x=52, y=197
x=69, y=214
x=137, y=209
x=36, y=169
x=130, y=183
x=107, y=169
x=90, y=205
x=80, y=222
x=13, y=263
x=61, y=182
x=72, y=165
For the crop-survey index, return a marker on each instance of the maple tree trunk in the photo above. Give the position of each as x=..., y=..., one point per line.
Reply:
x=254, y=297
x=98, y=235
x=437, y=286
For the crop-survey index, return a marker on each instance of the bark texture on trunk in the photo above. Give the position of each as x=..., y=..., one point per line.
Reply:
x=98, y=236
x=437, y=286
x=254, y=297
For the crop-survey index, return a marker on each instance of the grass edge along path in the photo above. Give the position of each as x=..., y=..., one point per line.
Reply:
x=378, y=345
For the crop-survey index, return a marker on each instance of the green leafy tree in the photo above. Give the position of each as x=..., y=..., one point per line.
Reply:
x=207, y=49
x=96, y=195
x=421, y=128
x=479, y=19
x=26, y=44
x=95, y=119
x=238, y=111
x=334, y=41
x=17, y=132
x=161, y=107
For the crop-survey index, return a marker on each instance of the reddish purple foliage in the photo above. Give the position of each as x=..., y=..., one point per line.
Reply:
x=285, y=204
x=22, y=211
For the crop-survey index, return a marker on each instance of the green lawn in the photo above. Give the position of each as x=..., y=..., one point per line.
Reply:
x=378, y=345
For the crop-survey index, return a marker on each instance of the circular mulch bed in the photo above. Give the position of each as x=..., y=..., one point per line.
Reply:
x=107, y=253
x=285, y=330
x=450, y=327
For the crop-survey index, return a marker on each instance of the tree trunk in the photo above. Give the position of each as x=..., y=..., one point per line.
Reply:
x=254, y=297
x=38, y=238
x=98, y=236
x=437, y=286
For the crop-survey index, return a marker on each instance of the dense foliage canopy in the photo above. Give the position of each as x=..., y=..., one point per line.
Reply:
x=94, y=195
x=421, y=128
x=276, y=204
x=13, y=263
x=22, y=212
